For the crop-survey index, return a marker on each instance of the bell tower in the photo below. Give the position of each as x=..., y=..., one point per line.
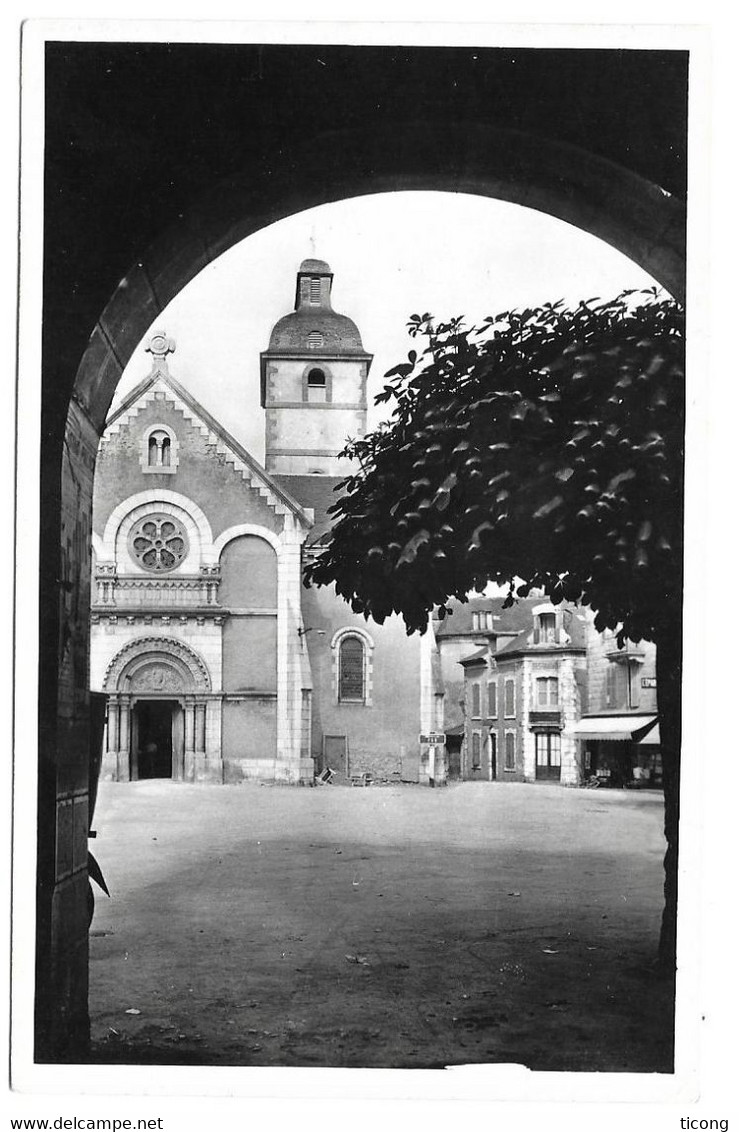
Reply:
x=314, y=381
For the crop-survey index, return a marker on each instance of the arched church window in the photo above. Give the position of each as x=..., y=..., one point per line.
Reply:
x=158, y=543
x=159, y=450
x=352, y=650
x=317, y=385
x=351, y=670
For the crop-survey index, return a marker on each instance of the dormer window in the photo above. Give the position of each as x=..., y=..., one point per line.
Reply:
x=547, y=692
x=317, y=385
x=159, y=450
x=547, y=626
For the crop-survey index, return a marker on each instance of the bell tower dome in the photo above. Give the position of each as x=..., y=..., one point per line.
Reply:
x=314, y=381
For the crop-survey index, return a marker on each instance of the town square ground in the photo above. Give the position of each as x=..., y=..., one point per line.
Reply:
x=388, y=926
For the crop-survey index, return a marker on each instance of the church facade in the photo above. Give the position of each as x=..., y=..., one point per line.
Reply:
x=217, y=665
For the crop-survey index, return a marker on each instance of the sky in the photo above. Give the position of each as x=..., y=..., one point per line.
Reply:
x=392, y=255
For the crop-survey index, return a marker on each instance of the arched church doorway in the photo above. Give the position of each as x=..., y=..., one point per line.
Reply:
x=157, y=739
x=161, y=714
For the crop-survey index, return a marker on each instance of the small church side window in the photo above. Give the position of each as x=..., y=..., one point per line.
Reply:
x=159, y=445
x=352, y=650
x=159, y=450
x=351, y=670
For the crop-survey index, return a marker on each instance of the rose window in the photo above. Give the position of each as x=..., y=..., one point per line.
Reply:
x=158, y=543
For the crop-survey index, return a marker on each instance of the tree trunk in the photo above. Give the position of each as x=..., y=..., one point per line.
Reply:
x=669, y=691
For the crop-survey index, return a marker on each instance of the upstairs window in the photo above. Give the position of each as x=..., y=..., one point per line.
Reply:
x=547, y=692
x=475, y=701
x=616, y=686
x=317, y=386
x=492, y=698
x=622, y=685
x=510, y=698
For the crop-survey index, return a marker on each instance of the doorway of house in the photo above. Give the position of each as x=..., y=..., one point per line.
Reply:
x=548, y=756
x=152, y=737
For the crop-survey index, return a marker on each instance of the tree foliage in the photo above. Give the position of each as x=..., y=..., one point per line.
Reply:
x=543, y=449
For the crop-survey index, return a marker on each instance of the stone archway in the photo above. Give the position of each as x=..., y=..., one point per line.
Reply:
x=156, y=669
x=597, y=195
x=590, y=192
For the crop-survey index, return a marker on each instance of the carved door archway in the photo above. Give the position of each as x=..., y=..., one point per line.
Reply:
x=151, y=670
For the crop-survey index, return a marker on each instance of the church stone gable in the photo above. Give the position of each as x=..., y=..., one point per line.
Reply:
x=205, y=470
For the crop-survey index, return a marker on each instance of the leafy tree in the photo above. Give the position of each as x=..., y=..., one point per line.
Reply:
x=542, y=449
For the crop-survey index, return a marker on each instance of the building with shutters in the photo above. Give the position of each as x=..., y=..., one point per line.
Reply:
x=216, y=663
x=524, y=690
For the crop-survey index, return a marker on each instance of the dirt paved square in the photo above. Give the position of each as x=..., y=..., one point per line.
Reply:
x=382, y=927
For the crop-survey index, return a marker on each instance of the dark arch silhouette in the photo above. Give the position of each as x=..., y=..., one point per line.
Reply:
x=610, y=202
x=146, y=185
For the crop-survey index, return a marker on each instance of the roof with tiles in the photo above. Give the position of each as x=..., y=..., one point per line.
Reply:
x=318, y=493
x=512, y=620
x=477, y=657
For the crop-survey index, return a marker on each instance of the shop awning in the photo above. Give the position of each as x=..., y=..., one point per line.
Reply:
x=617, y=727
x=651, y=738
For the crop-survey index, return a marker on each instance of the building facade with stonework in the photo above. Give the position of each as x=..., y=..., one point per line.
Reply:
x=217, y=664
x=524, y=690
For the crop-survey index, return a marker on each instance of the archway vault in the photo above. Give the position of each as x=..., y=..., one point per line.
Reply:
x=613, y=203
